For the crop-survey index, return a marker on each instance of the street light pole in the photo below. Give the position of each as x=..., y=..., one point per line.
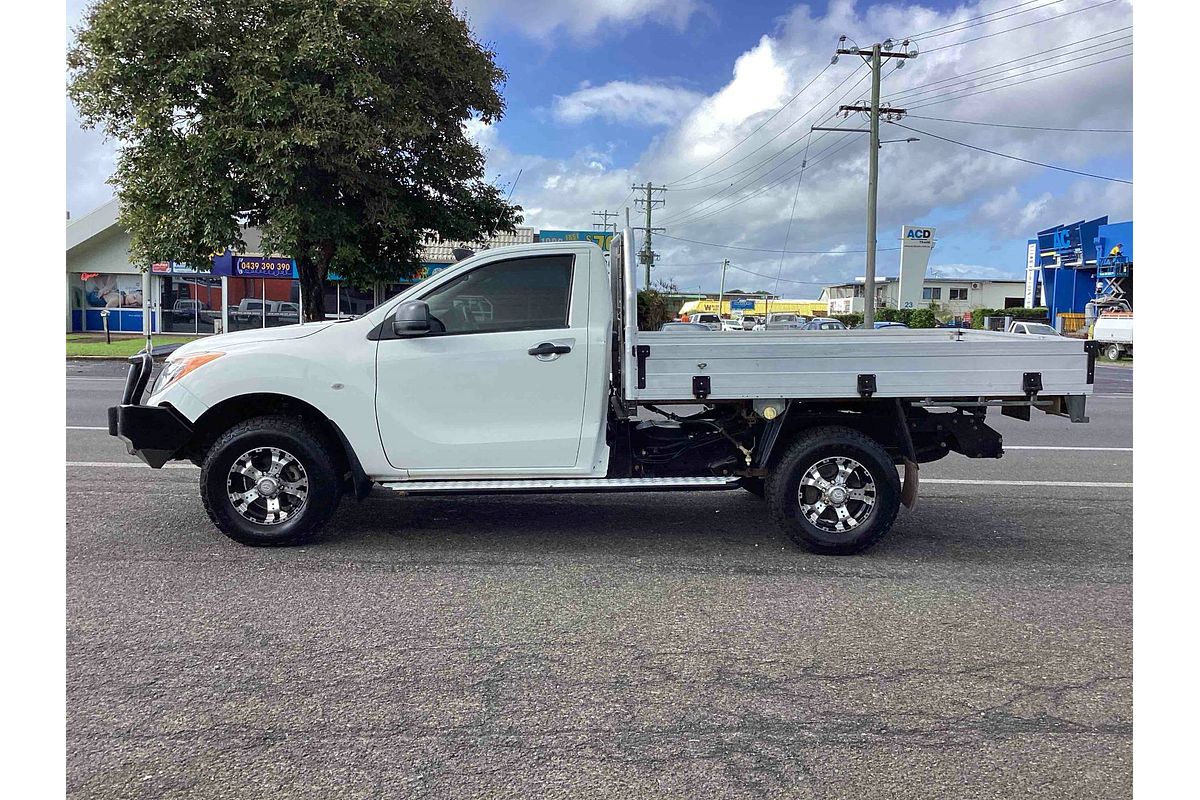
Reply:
x=721, y=296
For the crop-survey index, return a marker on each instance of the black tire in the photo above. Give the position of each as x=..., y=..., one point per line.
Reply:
x=756, y=487
x=806, y=452
x=324, y=489
x=1113, y=352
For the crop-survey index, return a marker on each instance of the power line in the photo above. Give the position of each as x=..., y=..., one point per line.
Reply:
x=1024, y=127
x=948, y=84
x=768, y=250
x=969, y=19
x=1019, y=27
x=785, y=280
x=911, y=95
x=933, y=101
x=756, y=130
x=676, y=184
x=957, y=77
x=689, y=215
x=1015, y=158
x=792, y=216
x=987, y=21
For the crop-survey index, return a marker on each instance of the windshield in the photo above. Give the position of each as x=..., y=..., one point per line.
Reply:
x=783, y=318
x=1041, y=330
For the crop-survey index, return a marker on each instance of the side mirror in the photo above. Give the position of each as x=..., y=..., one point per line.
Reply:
x=412, y=319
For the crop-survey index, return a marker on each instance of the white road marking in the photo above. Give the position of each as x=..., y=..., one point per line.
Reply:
x=87, y=428
x=138, y=464
x=80, y=378
x=1056, y=447
x=1069, y=484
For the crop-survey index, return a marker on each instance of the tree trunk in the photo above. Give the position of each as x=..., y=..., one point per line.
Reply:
x=312, y=285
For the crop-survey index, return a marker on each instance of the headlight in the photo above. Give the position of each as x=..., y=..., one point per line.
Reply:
x=174, y=370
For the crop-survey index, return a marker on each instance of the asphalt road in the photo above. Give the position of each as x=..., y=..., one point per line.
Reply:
x=670, y=645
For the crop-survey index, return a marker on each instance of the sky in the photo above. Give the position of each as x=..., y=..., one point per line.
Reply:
x=713, y=98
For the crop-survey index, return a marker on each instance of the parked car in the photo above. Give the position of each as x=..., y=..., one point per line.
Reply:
x=186, y=309
x=544, y=395
x=685, y=327
x=824, y=324
x=731, y=324
x=783, y=321
x=1033, y=328
x=749, y=321
x=710, y=321
x=879, y=326
x=954, y=323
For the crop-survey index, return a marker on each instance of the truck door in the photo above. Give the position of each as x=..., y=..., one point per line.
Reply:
x=503, y=387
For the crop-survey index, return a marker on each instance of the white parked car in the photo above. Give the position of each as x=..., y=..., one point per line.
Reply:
x=539, y=389
x=712, y=321
x=1033, y=328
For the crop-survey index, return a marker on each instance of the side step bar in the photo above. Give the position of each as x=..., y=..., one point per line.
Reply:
x=563, y=485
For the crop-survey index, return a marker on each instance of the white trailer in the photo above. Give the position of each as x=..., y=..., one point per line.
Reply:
x=522, y=369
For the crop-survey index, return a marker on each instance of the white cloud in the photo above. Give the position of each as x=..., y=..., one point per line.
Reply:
x=579, y=19
x=630, y=103
x=738, y=201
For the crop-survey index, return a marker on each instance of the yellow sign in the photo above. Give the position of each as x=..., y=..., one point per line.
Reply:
x=809, y=308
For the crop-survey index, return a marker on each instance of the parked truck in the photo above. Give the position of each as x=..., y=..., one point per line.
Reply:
x=1113, y=332
x=555, y=389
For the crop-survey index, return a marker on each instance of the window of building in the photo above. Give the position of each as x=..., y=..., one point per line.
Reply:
x=958, y=294
x=523, y=294
x=190, y=303
x=931, y=293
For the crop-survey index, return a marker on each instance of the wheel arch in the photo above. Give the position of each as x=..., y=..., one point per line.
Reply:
x=230, y=411
x=883, y=420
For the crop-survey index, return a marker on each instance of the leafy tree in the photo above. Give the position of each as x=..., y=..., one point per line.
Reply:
x=335, y=126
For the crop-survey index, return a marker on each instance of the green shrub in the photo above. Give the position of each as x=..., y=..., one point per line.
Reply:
x=849, y=320
x=652, y=310
x=922, y=318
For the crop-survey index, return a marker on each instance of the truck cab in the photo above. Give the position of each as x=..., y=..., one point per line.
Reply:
x=522, y=369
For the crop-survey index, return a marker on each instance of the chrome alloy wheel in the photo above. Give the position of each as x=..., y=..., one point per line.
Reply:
x=837, y=494
x=267, y=485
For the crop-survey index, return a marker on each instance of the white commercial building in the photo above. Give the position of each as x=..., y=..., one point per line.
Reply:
x=947, y=296
x=236, y=291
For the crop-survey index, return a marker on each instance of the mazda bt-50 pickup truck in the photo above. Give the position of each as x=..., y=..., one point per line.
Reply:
x=522, y=370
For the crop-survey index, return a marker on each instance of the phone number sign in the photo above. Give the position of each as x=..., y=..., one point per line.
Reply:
x=263, y=267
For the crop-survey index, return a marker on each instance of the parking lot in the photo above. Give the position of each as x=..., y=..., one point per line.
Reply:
x=669, y=645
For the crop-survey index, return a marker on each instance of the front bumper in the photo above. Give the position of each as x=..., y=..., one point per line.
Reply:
x=152, y=433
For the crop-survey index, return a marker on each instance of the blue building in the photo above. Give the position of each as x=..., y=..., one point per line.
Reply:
x=1069, y=266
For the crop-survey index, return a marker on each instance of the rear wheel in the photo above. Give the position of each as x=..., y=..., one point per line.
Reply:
x=1113, y=352
x=835, y=491
x=269, y=481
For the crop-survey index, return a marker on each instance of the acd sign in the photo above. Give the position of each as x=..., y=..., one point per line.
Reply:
x=919, y=233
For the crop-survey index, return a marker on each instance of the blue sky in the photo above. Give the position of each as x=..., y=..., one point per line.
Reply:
x=604, y=94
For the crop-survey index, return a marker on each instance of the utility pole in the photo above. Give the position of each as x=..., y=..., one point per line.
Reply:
x=721, y=296
x=604, y=224
x=648, y=204
x=875, y=56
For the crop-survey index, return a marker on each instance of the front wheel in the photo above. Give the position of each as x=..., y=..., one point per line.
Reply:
x=835, y=491
x=269, y=481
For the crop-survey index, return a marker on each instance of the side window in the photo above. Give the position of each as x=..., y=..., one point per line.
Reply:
x=522, y=294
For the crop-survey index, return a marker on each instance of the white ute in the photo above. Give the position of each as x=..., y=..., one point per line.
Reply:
x=522, y=369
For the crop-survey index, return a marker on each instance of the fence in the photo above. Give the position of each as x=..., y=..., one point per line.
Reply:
x=1070, y=322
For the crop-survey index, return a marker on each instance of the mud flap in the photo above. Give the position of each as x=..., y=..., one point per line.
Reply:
x=910, y=487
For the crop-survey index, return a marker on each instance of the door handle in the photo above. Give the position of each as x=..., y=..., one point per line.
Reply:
x=549, y=349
